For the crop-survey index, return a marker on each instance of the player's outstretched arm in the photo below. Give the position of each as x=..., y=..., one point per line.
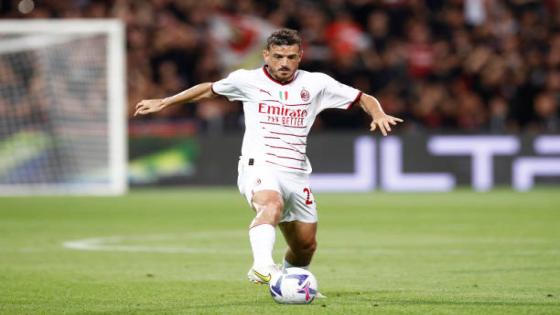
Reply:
x=379, y=119
x=193, y=94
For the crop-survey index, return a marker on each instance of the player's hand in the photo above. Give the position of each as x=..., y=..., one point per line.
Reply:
x=384, y=123
x=149, y=106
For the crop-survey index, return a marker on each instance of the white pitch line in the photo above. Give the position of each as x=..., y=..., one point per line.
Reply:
x=111, y=243
x=108, y=244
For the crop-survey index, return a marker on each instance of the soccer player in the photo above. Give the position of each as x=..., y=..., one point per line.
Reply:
x=280, y=103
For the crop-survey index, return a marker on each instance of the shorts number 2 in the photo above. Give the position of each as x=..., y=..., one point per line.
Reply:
x=307, y=192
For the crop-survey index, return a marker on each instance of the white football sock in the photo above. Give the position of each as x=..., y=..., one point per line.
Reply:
x=286, y=265
x=262, y=238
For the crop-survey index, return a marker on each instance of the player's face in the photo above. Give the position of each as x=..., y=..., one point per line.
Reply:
x=282, y=61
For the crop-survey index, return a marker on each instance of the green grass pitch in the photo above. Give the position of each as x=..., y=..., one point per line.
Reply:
x=185, y=251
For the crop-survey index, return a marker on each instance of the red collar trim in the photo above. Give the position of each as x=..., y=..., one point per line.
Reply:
x=276, y=81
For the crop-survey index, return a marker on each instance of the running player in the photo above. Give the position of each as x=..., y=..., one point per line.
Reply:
x=280, y=104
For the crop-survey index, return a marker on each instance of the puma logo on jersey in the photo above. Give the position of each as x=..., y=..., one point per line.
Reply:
x=265, y=91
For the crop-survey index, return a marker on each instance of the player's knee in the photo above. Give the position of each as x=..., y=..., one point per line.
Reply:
x=270, y=211
x=275, y=207
x=307, y=247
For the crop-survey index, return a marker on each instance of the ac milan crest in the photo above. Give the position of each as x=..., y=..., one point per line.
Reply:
x=304, y=95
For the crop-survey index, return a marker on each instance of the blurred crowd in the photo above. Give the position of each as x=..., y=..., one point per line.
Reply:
x=455, y=65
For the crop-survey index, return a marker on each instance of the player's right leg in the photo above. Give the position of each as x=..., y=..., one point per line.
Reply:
x=262, y=191
x=268, y=206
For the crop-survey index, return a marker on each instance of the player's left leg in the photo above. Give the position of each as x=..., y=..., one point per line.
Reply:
x=302, y=243
x=299, y=220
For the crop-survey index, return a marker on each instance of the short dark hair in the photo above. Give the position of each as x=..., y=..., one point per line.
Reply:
x=283, y=36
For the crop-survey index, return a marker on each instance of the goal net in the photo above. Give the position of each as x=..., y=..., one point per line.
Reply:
x=62, y=107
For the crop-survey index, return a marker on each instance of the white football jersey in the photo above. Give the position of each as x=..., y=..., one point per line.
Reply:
x=279, y=116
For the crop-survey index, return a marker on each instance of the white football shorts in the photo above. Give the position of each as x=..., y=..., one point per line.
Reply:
x=299, y=203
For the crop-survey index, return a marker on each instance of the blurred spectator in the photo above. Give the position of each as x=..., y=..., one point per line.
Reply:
x=459, y=65
x=498, y=120
x=546, y=112
x=420, y=52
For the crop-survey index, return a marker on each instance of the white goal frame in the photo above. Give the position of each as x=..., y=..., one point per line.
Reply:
x=116, y=88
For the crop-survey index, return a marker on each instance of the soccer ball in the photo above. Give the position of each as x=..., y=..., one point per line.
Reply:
x=293, y=286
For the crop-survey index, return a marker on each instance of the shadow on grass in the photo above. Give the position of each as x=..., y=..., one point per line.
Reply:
x=494, y=270
x=373, y=297
x=470, y=303
x=364, y=300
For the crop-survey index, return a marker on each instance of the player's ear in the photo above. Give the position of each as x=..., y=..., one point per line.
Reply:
x=265, y=53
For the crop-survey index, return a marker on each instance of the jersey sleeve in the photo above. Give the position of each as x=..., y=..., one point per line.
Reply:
x=338, y=95
x=232, y=87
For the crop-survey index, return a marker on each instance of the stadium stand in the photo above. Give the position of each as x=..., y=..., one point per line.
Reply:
x=459, y=65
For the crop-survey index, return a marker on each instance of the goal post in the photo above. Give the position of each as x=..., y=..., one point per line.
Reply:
x=62, y=107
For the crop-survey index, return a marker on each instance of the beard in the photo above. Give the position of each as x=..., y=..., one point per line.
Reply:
x=283, y=72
